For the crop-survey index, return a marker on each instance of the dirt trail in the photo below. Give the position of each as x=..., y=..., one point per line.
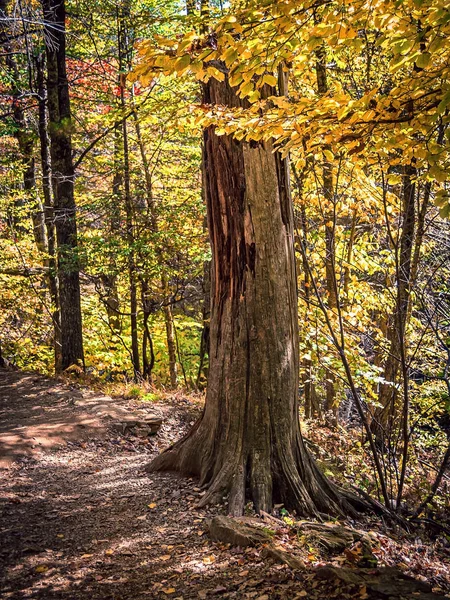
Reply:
x=81, y=520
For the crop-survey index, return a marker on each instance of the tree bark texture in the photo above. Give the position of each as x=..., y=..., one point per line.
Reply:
x=63, y=183
x=247, y=445
x=396, y=328
x=49, y=214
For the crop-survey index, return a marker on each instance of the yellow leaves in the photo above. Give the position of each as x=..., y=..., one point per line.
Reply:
x=394, y=179
x=328, y=155
x=423, y=60
x=168, y=591
x=438, y=174
x=269, y=80
x=443, y=202
x=41, y=569
x=165, y=557
x=444, y=103
x=152, y=505
x=213, y=72
x=209, y=560
x=182, y=63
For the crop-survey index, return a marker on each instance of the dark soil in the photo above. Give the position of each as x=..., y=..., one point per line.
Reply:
x=80, y=518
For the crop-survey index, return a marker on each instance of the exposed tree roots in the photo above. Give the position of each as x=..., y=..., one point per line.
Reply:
x=290, y=477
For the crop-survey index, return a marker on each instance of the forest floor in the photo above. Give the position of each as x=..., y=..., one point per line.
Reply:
x=82, y=520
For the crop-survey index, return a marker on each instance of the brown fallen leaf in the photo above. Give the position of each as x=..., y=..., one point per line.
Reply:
x=109, y=551
x=168, y=590
x=301, y=594
x=209, y=559
x=243, y=573
x=86, y=555
x=165, y=557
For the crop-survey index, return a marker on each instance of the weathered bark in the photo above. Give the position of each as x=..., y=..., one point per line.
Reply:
x=59, y=127
x=247, y=444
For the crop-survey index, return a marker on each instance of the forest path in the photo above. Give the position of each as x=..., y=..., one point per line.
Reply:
x=81, y=520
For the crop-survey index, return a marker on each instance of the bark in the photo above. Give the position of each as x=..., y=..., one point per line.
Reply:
x=396, y=328
x=331, y=403
x=154, y=224
x=171, y=345
x=248, y=444
x=348, y=266
x=206, y=316
x=132, y=275
x=112, y=302
x=148, y=354
x=311, y=400
x=48, y=208
x=123, y=43
x=60, y=126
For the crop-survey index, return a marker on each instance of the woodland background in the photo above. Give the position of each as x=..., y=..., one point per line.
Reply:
x=365, y=122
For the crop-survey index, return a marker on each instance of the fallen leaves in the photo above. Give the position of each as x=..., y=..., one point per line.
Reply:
x=168, y=591
x=208, y=560
x=41, y=569
x=152, y=505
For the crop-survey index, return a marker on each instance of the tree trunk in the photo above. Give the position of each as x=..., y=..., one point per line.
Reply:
x=123, y=54
x=48, y=209
x=171, y=344
x=109, y=279
x=396, y=329
x=331, y=403
x=247, y=444
x=60, y=125
x=206, y=316
x=312, y=404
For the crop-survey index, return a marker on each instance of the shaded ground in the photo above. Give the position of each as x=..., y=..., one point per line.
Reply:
x=83, y=521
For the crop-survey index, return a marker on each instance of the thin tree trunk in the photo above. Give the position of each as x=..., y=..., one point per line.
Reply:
x=171, y=338
x=110, y=279
x=122, y=15
x=167, y=308
x=396, y=329
x=59, y=126
x=206, y=316
x=331, y=404
x=311, y=400
x=48, y=208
